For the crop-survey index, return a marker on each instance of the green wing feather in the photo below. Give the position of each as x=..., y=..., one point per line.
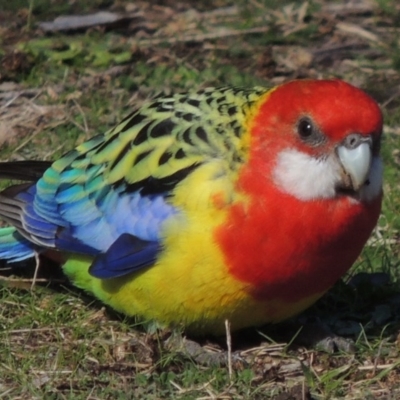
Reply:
x=167, y=137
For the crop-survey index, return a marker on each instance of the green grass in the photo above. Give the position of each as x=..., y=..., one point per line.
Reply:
x=57, y=343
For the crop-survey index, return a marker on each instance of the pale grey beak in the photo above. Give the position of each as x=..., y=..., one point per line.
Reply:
x=355, y=155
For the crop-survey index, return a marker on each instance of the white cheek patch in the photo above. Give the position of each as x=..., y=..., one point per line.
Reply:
x=309, y=178
x=306, y=177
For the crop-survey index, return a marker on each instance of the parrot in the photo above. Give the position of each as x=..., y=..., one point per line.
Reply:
x=219, y=204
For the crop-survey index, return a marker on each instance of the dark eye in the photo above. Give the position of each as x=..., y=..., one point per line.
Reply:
x=305, y=128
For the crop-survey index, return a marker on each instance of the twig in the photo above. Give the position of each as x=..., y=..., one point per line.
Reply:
x=201, y=38
x=30, y=330
x=229, y=346
x=37, y=280
x=375, y=367
x=85, y=125
x=9, y=102
x=30, y=12
x=37, y=261
x=377, y=356
x=395, y=96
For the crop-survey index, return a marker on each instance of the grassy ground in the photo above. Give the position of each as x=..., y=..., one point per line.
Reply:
x=59, y=88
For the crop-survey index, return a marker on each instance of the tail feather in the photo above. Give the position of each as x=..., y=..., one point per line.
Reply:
x=14, y=247
x=23, y=170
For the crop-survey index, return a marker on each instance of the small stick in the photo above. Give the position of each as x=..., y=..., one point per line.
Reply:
x=37, y=260
x=229, y=346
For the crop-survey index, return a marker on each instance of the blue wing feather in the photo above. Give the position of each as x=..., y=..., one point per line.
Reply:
x=120, y=229
x=14, y=247
x=126, y=255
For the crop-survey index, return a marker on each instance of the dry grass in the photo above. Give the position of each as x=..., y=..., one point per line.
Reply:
x=59, y=89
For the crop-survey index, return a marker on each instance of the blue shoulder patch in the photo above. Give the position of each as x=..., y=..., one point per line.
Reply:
x=126, y=255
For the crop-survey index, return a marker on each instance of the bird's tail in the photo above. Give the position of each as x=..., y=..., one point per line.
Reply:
x=13, y=246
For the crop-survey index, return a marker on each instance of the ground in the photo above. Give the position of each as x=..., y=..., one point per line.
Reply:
x=62, y=81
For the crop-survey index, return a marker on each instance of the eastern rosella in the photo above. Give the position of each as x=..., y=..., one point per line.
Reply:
x=222, y=204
